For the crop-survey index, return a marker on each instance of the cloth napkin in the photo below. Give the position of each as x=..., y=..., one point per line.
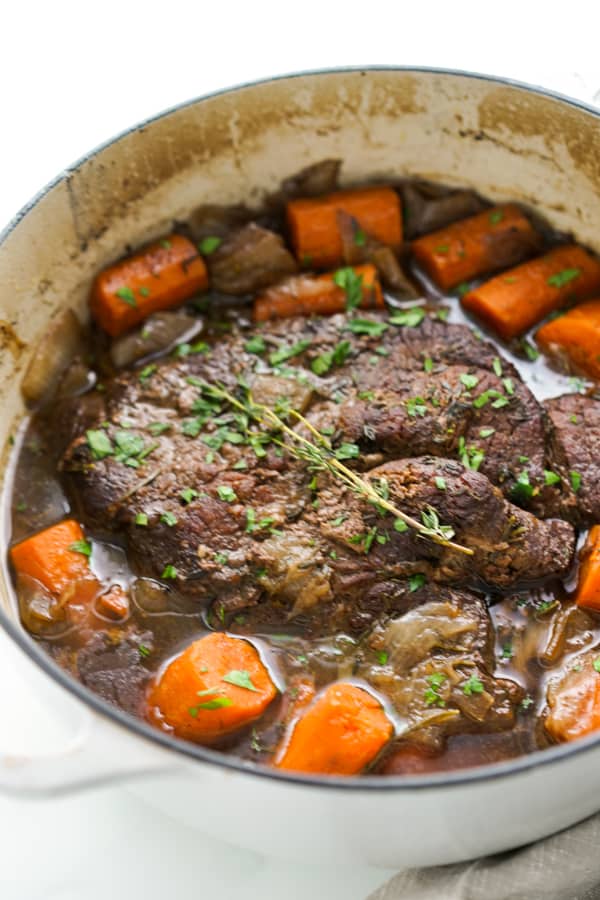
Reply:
x=565, y=866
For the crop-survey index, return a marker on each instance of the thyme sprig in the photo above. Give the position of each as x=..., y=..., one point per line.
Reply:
x=319, y=455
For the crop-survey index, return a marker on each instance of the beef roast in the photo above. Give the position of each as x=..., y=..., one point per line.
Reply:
x=575, y=441
x=202, y=501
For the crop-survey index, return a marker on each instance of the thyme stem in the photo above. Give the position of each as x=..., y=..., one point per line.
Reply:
x=321, y=456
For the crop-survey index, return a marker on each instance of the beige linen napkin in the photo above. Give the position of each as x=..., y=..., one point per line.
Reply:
x=565, y=866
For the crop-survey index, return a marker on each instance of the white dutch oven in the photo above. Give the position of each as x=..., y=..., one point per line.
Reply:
x=507, y=141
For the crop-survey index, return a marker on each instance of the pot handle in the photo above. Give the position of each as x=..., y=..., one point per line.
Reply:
x=97, y=754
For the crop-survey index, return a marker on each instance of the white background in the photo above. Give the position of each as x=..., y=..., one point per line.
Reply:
x=73, y=74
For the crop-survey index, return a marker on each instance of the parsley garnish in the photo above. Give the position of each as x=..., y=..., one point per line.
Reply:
x=188, y=494
x=440, y=483
x=472, y=686
x=168, y=519
x=337, y=356
x=147, y=372
x=416, y=581
x=126, y=294
x=141, y=519
x=83, y=547
x=351, y=284
x=99, y=443
x=575, y=479
x=551, y=477
x=561, y=278
x=256, y=344
x=522, y=490
x=169, y=571
x=409, y=318
x=432, y=693
x=284, y=353
x=241, y=678
x=496, y=216
x=469, y=381
x=209, y=244
x=366, y=326
x=347, y=451
x=226, y=493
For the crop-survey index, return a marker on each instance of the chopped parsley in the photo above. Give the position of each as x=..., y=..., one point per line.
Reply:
x=507, y=652
x=469, y=381
x=144, y=651
x=169, y=571
x=486, y=432
x=551, y=477
x=221, y=558
x=440, y=483
x=215, y=703
x=575, y=479
x=226, y=493
x=596, y=664
x=561, y=278
x=284, y=353
x=382, y=657
x=126, y=294
x=209, y=244
x=168, y=519
x=256, y=344
x=497, y=366
x=83, y=547
x=360, y=238
x=157, y=428
x=347, y=451
x=366, y=326
x=415, y=406
x=141, y=519
x=408, y=318
x=400, y=525
x=240, y=678
x=496, y=216
x=352, y=284
x=337, y=356
x=428, y=364
x=99, y=443
x=522, y=490
x=432, y=693
x=191, y=427
x=472, y=686
x=188, y=494
x=416, y=581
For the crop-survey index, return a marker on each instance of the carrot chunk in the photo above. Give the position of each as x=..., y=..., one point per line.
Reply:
x=471, y=247
x=216, y=686
x=163, y=275
x=576, y=335
x=321, y=295
x=587, y=594
x=574, y=703
x=514, y=301
x=314, y=228
x=339, y=734
x=52, y=557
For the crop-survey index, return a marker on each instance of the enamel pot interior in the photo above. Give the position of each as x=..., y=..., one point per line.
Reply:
x=504, y=140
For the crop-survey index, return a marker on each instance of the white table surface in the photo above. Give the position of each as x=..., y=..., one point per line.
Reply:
x=73, y=74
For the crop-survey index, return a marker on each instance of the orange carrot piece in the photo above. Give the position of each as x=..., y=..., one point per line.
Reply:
x=575, y=706
x=587, y=594
x=474, y=246
x=305, y=295
x=163, y=275
x=49, y=558
x=216, y=686
x=514, y=301
x=314, y=229
x=577, y=335
x=114, y=604
x=340, y=734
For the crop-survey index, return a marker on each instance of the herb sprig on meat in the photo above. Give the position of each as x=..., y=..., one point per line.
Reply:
x=320, y=456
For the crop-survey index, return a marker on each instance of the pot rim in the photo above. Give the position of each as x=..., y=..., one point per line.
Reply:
x=366, y=783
